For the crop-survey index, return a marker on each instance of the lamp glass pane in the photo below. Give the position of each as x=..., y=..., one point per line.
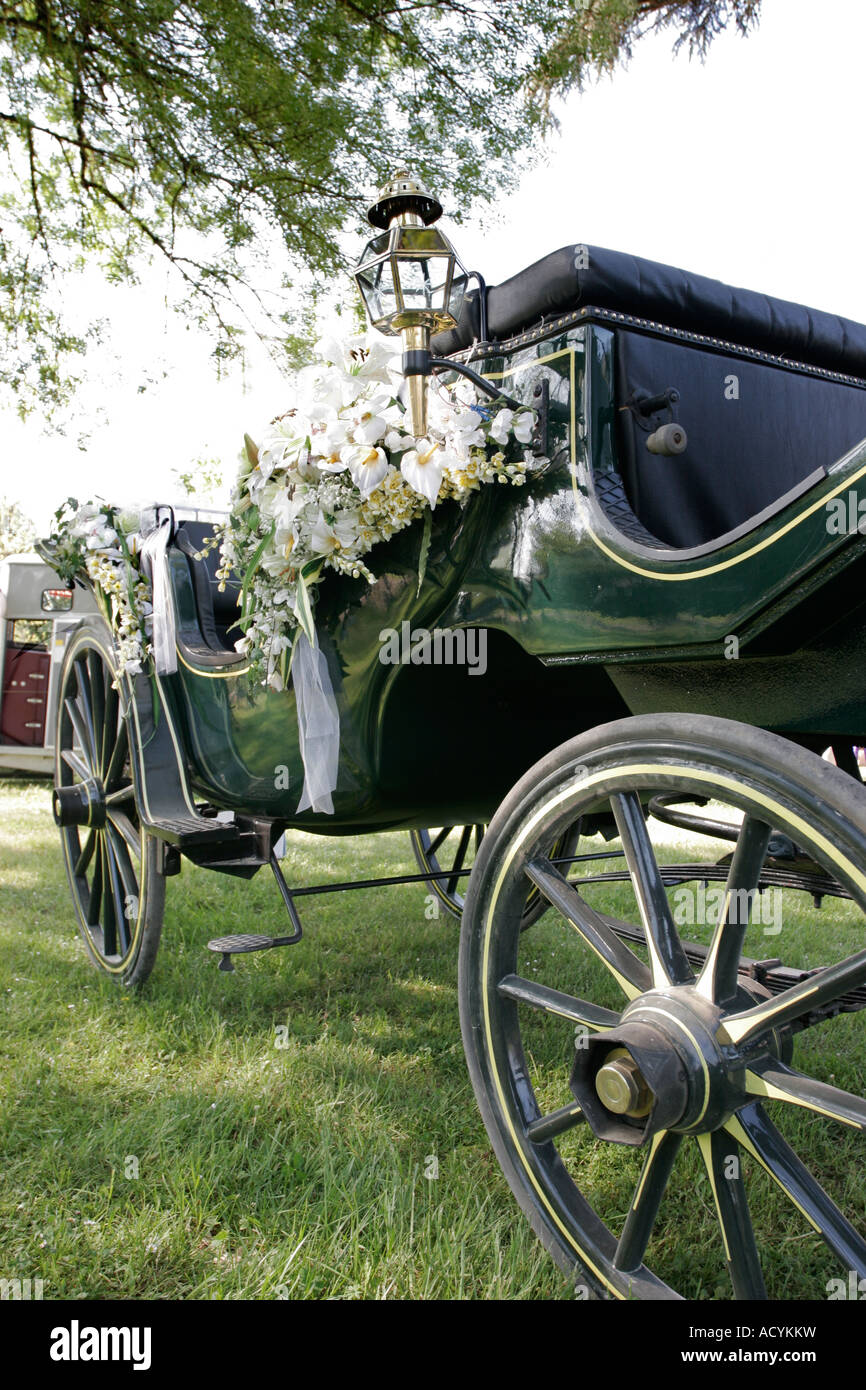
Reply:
x=458, y=292
x=422, y=241
x=423, y=281
x=376, y=283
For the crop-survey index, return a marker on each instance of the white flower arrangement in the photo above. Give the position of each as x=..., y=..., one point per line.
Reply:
x=334, y=476
x=338, y=473
x=104, y=543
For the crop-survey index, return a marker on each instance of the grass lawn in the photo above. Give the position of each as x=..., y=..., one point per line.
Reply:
x=305, y=1127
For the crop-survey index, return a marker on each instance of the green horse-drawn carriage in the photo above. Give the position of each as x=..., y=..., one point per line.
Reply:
x=674, y=627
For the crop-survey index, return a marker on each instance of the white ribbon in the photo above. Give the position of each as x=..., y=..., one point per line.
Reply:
x=318, y=726
x=154, y=566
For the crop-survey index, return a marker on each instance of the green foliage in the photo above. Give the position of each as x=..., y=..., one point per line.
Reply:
x=594, y=35
x=240, y=139
x=17, y=532
x=203, y=480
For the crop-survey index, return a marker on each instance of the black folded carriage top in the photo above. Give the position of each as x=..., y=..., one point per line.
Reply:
x=748, y=445
x=575, y=276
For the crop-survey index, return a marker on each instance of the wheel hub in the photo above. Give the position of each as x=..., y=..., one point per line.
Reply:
x=660, y=1068
x=81, y=804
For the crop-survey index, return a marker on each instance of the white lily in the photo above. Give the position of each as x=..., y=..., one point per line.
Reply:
x=500, y=425
x=423, y=467
x=465, y=432
x=329, y=444
x=325, y=539
x=523, y=426
x=395, y=442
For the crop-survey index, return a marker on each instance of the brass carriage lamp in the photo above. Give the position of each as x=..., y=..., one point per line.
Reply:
x=410, y=280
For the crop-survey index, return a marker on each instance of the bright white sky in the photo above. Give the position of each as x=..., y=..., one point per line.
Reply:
x=745, y=168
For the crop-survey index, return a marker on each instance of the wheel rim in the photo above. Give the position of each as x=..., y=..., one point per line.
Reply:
x=683, y=1010
x=451, y=849
x=105, y=860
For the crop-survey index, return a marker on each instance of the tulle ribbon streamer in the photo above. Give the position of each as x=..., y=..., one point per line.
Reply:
x=318, y=726
x=154, y=565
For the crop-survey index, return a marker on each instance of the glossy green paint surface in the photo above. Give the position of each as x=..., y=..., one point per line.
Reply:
x=581, y=626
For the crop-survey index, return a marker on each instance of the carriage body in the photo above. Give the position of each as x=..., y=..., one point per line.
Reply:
x=616, y=582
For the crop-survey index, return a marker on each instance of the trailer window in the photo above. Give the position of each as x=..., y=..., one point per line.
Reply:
x=56, y=600
x=29, y=632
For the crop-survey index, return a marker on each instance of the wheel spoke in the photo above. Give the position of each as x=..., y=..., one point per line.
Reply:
x=71, y=759
x=459, y=858
x=121, y=822
x=78, y=726
x=722, y=1158
x=85, y=855
x=109, y=728
x=82, y=700
x=94, y=904
x=718, y=978
x=642, y=1213
x=127, y=883
x=630, y=972
x=759, y=1136
x=112, y=913
x=553, y=1001
x=669, y=963
x=118, y=757
x=557, y=1122
x=818, y=989
x=775, y=1081
x=440, y=840
x=122, y=794
x=96, y=677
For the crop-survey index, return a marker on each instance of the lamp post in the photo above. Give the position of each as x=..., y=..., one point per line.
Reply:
x=412, y=283
x=410, y=280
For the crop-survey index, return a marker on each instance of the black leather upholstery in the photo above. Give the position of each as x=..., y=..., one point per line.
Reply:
x=754, y=432
x=216, y=610
x=575, y=276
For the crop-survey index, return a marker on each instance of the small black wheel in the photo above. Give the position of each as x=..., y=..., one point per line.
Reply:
x=602, y=1045
x=114, y=866
x=452, y=848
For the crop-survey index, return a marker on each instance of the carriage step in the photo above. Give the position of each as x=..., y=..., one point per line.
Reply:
x=187, y=831
x=229, y=946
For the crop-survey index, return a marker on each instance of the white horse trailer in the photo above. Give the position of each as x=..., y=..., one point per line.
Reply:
x=37, y=615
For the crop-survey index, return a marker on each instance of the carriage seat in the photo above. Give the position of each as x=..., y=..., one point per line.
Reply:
x=770, y=391
x=217, y=610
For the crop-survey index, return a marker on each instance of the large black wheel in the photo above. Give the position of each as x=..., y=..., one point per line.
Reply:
x=113, y=865
x=615, y=1034
x=451, y=849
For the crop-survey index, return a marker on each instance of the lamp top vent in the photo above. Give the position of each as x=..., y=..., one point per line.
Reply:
x=403, y=193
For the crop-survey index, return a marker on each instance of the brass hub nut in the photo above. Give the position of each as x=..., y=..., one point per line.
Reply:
x=621, y=1087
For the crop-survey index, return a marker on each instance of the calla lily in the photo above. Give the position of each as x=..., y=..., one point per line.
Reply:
x=367, y=466
x=423, y=467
